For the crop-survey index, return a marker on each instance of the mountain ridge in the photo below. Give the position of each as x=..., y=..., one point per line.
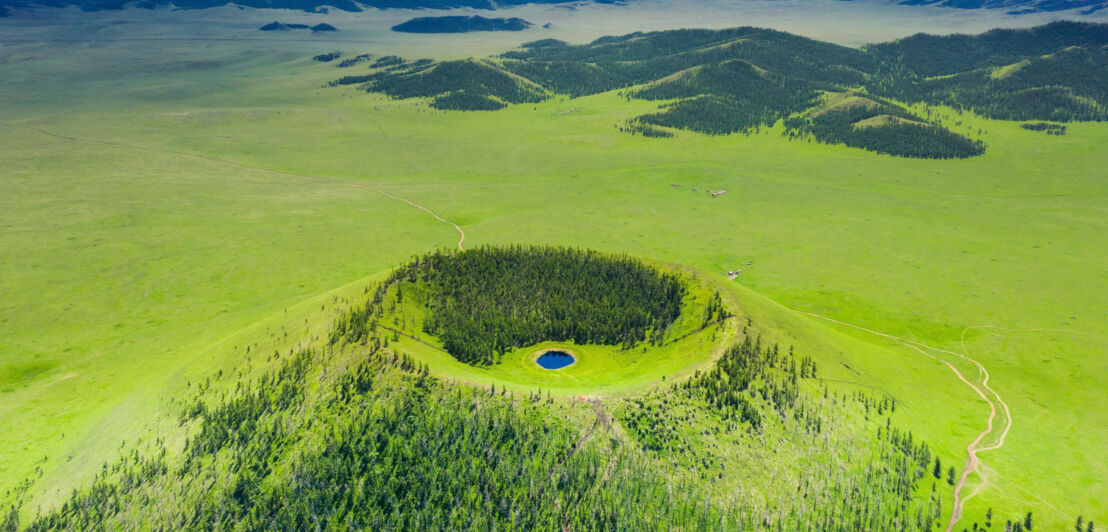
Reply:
x=739, y=80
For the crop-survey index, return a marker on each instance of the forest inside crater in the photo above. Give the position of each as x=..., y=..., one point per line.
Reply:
x=483, y=302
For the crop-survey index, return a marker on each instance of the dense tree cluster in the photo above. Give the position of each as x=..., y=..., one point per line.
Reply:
x=1046, y=127
x=619, y=62
x=387, y=61
x=883, y=128
x=646, y=130
x=327, y=57
x=387, y=68
x=1067, y=85
x=753, y=390
x=465, y=101
x=747, y=366
x=1054, y=72
x=486, y=301
x=941, y=55
x=351, y=61
x=726, y=97
x=471, y=77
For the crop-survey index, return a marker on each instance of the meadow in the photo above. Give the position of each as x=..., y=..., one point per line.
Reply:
x=160, y=214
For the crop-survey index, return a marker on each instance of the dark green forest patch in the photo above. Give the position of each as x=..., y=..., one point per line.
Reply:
x=725, y=98
x=475, y=82
x=327, y=57
x=1045, y=127
x=464, y=101
x=875, y=125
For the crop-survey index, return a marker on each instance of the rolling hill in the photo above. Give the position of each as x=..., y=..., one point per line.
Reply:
x=743, y=79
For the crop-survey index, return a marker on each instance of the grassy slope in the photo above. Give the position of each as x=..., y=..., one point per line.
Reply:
x=189, y=252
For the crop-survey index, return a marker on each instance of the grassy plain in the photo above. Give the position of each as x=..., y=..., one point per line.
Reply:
x=192, y=203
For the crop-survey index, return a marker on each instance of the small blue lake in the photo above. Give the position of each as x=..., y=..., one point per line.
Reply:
x=555, y=360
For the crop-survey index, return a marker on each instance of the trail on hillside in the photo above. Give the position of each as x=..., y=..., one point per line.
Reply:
x=974, y=463
x=225, y=162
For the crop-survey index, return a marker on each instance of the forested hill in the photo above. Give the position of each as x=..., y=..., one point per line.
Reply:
x=935, y=55
x=742, y=79
x=356, y=434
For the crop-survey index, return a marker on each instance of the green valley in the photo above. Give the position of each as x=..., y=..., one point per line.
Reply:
x=806, y=286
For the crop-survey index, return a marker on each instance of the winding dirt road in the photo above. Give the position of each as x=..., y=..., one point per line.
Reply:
x=333, y=180
x=974, y=463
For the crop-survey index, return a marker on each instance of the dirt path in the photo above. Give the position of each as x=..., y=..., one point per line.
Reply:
x=332, y=180
x=974, y=463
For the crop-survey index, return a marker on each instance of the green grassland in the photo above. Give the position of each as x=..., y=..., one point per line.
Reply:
x=184, y=213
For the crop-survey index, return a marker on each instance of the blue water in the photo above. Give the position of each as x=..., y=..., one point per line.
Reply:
x=555, y=360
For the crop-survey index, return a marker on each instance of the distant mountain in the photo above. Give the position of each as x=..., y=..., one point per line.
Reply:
x=281, y=26
x=461, y=24
x=1017, y=7
x=303, y=5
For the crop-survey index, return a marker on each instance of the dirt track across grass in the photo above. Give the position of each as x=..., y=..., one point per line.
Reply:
x=973, y=464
